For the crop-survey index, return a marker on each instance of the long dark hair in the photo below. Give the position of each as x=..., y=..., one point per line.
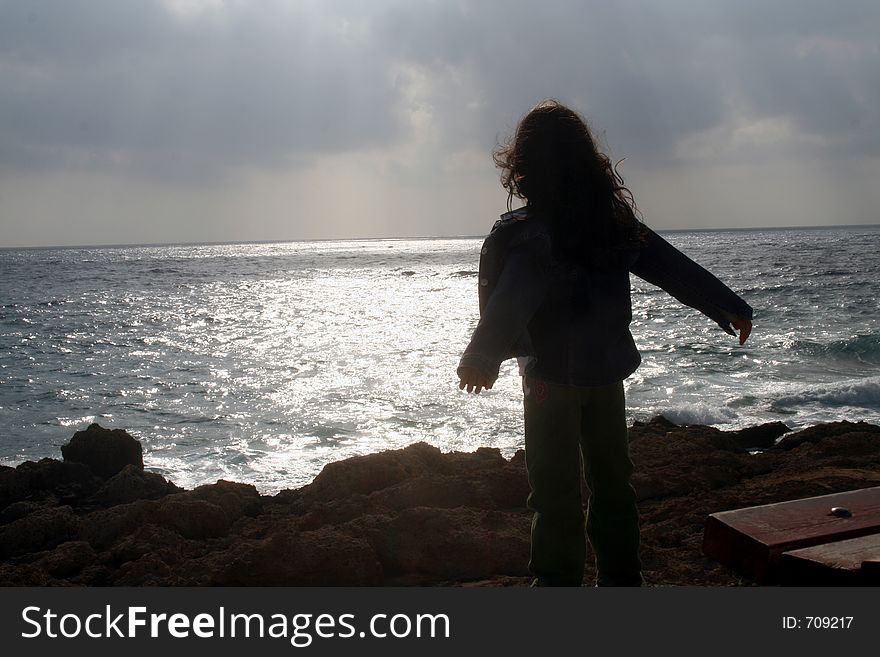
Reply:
x=553, y=164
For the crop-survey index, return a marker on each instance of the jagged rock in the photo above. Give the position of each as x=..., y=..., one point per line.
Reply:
x=95, y=574
x=656, y=425
x=418, y=475
x=192, y=518
x=823, y=432
x=68, y=559
x=761, y=436
x=24, y=574
x=234, y=498
x=362, y=475
x=104, y=527
x=686, y=461
x=18, y=510
x=189, y=518
x=151, y=538
x=413, y=516
x=12, y=488
x=423, y=544
x=38, y=531
x=132, y=483
x=148, y=570
x=66, y=482
x=105, y=451
x=323, y=557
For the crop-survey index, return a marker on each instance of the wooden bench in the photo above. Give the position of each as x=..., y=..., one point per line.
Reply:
x=853, y=562
x=751, y=541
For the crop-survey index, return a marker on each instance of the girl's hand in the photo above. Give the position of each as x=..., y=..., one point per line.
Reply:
x=744, y=326
x=473, y=379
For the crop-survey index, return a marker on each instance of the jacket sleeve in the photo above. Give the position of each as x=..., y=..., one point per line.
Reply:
x=521, y=288
x=661, y=264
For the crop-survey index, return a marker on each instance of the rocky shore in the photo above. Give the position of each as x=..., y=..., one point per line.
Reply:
x=413, y=516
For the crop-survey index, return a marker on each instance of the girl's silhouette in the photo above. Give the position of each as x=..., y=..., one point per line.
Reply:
x=554, y=292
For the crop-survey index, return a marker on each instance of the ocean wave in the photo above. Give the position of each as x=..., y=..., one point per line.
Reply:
x=865, y=348
x=862, y=393
x=699, y=413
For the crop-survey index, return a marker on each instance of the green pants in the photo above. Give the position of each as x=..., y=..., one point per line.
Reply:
x=567, y=426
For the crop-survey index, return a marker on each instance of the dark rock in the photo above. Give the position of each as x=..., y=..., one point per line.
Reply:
x=95, y=574
x=104, y=527
x=105, y=451
x=189, y=518
x=235, y=499
x=38, y=531
x=54, y=475
x=687, y=461
x=18, y=510
x=435, y=491
x=12, y=487
x=418, y=475
x=132, y=483
x=145, y=540
x=365, y=474
x=761, y=436
x=67, y=483
x=149, y=570
x=422, y=545
x=67, y=559
x=24, y=575
x=413, y=516
x=192, y=518
x=656, y=425
x=824, y=432
x=324, y=557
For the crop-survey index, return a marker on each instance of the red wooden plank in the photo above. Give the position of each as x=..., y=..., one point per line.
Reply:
x=871, y=572
x=751, y=540
x=842, y=563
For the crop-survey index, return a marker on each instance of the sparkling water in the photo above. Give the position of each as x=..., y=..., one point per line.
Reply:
x=263, y=362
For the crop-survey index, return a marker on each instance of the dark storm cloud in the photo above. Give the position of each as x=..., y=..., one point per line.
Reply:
x=629, y=73
x=85, y=81
x=652, y=73
x=93, y=84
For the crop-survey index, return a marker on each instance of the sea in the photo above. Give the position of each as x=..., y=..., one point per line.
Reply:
x=262, y=362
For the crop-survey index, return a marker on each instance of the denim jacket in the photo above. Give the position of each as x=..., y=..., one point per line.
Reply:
x=570, y=321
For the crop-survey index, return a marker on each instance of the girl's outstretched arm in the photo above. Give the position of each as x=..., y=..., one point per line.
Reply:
x=521, y=288
x=661, y=264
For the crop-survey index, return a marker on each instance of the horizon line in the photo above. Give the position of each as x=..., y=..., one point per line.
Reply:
x=122, y=245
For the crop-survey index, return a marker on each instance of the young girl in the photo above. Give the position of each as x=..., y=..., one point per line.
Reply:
x=554, y=292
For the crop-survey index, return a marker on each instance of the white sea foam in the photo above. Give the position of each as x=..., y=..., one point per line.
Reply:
x=860, y=393
x=699, y=413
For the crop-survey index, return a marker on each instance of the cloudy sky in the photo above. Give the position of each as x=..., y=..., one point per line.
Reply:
x=130, y=121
